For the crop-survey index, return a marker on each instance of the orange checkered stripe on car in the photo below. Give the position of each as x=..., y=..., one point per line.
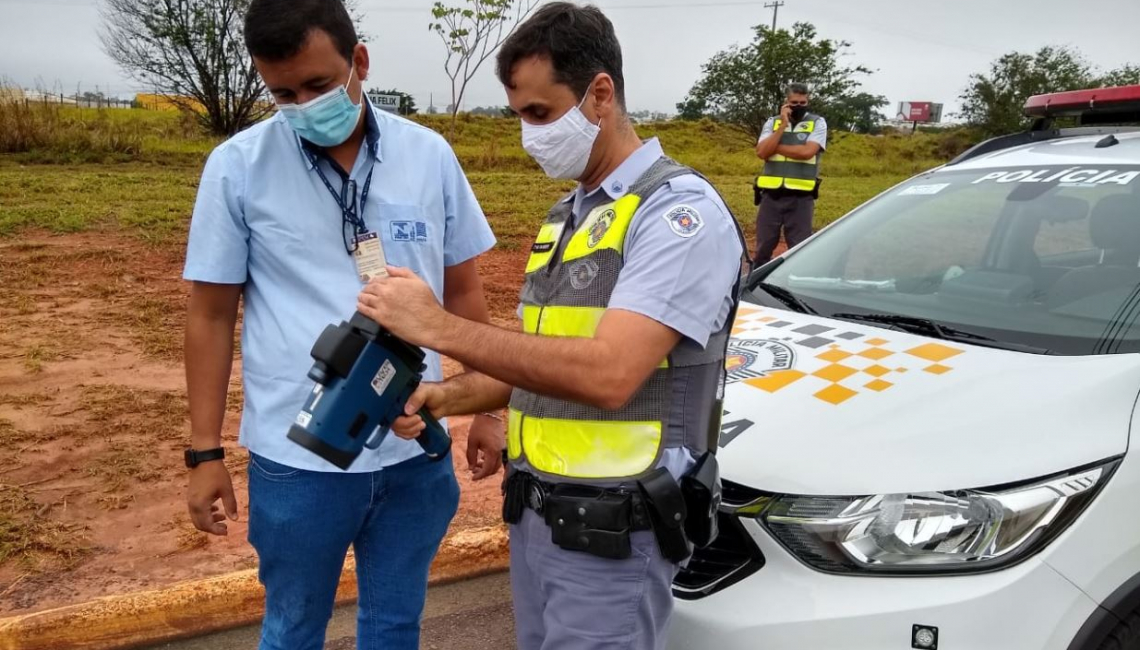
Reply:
x=854, y=363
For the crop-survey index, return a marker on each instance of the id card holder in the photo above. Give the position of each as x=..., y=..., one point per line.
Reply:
x=369, y=257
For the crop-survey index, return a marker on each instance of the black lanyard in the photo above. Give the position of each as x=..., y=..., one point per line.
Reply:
x=346, y=201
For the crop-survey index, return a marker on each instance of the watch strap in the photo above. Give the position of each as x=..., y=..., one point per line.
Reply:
x=195, y=458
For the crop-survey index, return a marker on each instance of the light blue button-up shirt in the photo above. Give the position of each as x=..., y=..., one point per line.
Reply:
x=264, y=218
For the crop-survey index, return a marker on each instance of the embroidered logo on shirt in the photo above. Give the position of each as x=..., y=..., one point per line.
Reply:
x=684, y=220
x=600, y=228
x=409, y=231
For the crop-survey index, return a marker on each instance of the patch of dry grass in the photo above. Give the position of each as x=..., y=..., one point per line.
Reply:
x=36, y=356
x=121, y=406
x=121, y=466
x=13, y=439
x=157, y=325
x=29, y=536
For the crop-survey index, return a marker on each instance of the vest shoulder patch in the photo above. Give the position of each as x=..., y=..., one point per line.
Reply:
x=684, y=220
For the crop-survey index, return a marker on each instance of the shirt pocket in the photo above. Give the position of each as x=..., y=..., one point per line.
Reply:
x=410, y=239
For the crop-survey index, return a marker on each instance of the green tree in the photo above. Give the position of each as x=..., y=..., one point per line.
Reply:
x=407, y=102
x=1127, y=75
x=193, y=52
x=744, y=86
x=472, y=31
x=858, y=113
x=994, y=101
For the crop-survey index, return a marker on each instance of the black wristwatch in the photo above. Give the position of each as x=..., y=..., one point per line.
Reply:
x=196, y=458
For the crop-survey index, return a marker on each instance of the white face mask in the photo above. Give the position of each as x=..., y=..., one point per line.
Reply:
x=562, y=148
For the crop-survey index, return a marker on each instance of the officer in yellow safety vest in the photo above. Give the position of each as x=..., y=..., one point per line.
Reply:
x=791, y=146
x=614, y=384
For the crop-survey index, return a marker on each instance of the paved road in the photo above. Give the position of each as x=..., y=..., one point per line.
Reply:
x=470, y=615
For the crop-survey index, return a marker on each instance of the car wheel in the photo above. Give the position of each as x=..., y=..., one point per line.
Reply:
x=1125, y=636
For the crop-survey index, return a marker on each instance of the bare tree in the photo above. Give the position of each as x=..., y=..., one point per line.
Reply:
x=472, y=32
x=193, y=52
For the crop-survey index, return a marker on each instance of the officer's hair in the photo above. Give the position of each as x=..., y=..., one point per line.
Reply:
x=276, y=30
x=579, y=42
x=798, y=89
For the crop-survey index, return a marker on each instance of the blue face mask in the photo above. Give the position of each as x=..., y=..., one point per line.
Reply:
x=327, y=120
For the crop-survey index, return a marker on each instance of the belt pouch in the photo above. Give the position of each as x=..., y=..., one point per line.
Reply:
x=590, y=520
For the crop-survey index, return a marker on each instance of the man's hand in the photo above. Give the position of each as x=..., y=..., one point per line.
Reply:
x=209, y=482
x=486, y=440
x=411, y=425
x=404, y=304
x=786, y=115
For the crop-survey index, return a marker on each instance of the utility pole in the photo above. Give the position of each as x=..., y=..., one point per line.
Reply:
x=775, y=7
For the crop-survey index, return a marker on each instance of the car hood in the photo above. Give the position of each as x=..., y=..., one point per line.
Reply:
x=828, y=407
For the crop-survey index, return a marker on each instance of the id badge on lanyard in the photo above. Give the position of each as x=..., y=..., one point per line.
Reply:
x=369, y=257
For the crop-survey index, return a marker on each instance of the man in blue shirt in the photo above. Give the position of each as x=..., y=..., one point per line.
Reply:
x=293, y=215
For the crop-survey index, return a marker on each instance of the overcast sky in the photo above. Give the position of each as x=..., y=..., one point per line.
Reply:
x=921, y=51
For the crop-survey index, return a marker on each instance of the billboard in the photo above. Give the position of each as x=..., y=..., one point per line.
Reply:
x=390, y=103
x=920, y=112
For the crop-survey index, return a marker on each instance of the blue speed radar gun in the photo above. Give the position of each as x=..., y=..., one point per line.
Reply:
x=364, y=376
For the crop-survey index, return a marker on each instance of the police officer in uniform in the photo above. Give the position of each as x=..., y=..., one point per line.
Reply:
x=791, y=146
x=614, y=382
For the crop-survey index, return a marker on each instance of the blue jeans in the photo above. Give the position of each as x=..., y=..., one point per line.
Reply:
x=301, y=524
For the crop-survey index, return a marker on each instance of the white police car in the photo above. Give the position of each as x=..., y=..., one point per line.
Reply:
x=926, y=440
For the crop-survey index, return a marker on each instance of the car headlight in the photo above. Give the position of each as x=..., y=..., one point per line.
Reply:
x=935, y=532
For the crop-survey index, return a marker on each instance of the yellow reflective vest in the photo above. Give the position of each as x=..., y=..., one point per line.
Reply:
x=781, y=171
x=570, y=277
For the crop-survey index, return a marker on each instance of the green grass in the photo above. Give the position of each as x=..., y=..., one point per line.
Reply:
x=148, y=188
x=151, y=200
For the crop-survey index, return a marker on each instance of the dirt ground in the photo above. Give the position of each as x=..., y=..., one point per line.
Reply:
x=93, y=422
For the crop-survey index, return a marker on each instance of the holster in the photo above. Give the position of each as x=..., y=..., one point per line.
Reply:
x=757, y=193
x=514, y=495
x=701, y=489
x=591, y=520
x=667, y=512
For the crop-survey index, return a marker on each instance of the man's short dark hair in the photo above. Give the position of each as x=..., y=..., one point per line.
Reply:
x=579, y=42
x=276, y=30
x=798, y=89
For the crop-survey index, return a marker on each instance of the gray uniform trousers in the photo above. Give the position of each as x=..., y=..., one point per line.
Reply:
x=568, y=600
x=791, y=211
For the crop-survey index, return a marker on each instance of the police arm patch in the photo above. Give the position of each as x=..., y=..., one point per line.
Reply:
x=684, y=220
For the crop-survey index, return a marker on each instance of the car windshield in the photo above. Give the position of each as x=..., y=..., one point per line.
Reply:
x=1042, y=259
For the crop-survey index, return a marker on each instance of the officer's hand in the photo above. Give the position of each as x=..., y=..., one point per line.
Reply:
x=210, y=482
x=786, y=114
x=404, y=304
x=485, y=442
x=411, y=425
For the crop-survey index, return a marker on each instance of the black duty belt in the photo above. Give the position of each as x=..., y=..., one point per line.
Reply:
x=524, y=490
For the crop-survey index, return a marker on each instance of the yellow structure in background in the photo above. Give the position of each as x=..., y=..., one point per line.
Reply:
x=153, y=102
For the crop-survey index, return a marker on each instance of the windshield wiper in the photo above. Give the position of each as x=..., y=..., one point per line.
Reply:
x=786, y=297
x=925, y=326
